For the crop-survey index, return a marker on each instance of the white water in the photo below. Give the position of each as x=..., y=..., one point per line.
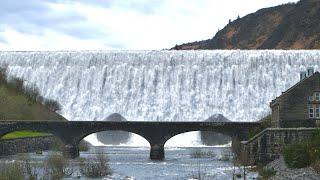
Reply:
x=161, y=85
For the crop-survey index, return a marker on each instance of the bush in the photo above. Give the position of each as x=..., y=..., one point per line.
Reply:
x=96, y=167
x=303, y=154
x=16, y=84
x=201, y=154
x=11, y=171
x=224, y=157
x=52, y=105
x=316, y=165
x=30, y=171
x=83, y=146
x=56, y=167
x=3, y=75
x=297, y=155
x=267, y=173
x=32, y=93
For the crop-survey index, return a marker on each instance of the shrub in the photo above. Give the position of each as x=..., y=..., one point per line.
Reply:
x=56, y=167
x=316, y=165
x=96, y=167
x=201, y=154
x=267, y=173
x=3, y=75
x=224, y=157
x=52, y=105
x=297, y=155
x=83, y=146
x=30, y=171
x=11, y=171
x=16, y=84
x=32, y=93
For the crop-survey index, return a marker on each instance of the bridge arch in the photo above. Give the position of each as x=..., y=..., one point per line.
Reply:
x=72, y=150
x=131, y=136
x=175, y=141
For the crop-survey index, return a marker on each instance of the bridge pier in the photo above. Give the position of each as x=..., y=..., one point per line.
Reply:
x=70, y=151
x=157, y=152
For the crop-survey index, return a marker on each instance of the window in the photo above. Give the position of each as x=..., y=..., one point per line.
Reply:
x=311, y=111
x=310, y=98
x=317, y=111
x=317, y=96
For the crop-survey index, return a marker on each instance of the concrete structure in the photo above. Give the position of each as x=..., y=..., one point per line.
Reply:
x=156, y=133
x=299, y=106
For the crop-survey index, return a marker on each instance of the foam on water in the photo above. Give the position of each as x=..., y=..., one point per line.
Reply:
x=161, y=85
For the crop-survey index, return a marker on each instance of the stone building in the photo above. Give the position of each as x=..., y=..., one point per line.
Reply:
x=299, y=106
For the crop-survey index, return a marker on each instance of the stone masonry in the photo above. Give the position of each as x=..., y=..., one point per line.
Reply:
x=268, y=144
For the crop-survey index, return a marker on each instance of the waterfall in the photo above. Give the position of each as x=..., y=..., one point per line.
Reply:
x=161, y=85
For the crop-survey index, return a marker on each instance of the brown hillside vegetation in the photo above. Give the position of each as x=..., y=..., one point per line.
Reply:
x=288, y=26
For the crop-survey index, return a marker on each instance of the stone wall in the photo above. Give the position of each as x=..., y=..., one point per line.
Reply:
x=24, y=145
x=268, y=144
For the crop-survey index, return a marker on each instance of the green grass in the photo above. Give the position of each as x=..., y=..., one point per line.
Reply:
x=22, y=134
x=16, y=106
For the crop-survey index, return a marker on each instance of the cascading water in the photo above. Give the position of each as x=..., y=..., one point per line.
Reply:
x=161, y=85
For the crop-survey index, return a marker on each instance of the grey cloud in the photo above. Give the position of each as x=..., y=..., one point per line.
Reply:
x=34, y=16
x=3, y=39
x=142, y=6
x=116, y=45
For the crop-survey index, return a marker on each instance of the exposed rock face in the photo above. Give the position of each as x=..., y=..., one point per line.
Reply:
x=114, y=137
x=288, y=26
x=211, y=138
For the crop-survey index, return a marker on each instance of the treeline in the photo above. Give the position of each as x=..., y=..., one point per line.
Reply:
x=17, y=85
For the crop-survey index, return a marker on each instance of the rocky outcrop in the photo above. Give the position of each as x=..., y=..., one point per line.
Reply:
x=212, y=138
x=114, y=137
x=288, y=26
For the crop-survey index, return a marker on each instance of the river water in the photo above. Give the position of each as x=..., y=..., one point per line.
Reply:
x=180, y=163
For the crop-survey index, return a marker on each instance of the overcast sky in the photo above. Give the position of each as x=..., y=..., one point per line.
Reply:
x=116, y=24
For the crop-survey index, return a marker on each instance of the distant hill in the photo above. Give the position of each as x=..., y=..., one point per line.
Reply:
x=288, y=26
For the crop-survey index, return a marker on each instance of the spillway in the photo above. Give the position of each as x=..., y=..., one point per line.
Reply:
x=161, y=85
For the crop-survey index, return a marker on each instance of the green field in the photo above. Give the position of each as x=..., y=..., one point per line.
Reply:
x=22, y=134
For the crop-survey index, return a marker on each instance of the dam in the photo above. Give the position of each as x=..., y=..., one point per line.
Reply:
x=161, y=85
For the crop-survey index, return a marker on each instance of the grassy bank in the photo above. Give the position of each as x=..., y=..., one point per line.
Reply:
x=20, y=102
x=22, y=134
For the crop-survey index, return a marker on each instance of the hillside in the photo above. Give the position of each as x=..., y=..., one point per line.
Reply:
x=16, y=106
x=288, y=26
x=20, y=103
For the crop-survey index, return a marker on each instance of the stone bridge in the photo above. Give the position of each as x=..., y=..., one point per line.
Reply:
x=156, y=133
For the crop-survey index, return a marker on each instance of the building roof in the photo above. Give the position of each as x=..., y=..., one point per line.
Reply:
x=298, y=84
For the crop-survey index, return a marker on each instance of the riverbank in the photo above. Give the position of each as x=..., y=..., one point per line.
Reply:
x=27, y=144
x=283, y=172
x=34, y=144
